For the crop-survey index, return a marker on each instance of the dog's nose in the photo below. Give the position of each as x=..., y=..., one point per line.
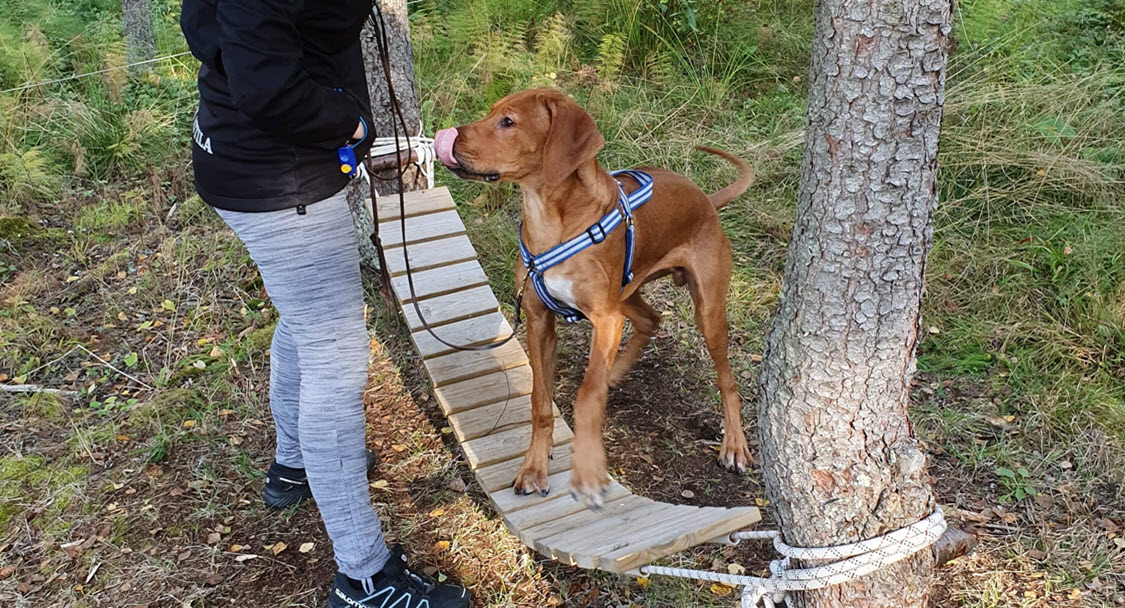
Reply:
x=443, y=145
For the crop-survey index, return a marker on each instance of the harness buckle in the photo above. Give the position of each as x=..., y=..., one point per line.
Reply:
x=593, y=237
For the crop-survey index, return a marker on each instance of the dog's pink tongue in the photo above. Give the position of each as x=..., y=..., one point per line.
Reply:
x=443, y=145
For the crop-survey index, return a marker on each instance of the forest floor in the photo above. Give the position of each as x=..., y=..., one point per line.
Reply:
x=138, y=484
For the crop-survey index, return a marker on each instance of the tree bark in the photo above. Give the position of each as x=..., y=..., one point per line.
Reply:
x=385, y=121
x=840, y=459
x=140, y=41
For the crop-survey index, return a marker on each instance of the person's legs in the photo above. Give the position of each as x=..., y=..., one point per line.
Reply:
x=310, y=266
x=285, y=396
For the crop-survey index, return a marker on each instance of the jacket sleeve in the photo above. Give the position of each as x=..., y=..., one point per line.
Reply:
x=262, y=58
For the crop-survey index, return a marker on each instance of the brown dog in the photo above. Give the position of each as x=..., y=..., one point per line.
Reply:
x=543, y=141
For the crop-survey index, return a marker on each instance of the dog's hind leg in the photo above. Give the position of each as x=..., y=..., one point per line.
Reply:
x=645, y=323
x=709, y=282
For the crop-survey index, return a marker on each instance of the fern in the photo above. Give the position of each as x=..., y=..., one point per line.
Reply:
x=611, y=56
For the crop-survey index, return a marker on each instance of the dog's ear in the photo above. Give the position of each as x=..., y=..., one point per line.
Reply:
x=572, y=139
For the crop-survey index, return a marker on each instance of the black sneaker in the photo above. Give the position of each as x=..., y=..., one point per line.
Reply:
x=396, y=587
x=287, y=486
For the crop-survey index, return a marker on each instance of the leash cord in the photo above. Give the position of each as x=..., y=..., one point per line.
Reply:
x=383, y=47
x=382, y=43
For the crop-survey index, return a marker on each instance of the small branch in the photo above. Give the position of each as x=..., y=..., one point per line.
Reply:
x=110, y=366
x=32, y=388
x=954, y=543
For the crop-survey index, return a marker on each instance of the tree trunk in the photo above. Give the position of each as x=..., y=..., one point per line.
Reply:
x=384, y=119
x=840, y=459
x=140, y=42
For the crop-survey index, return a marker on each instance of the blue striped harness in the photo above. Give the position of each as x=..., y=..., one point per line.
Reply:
x=623, y=212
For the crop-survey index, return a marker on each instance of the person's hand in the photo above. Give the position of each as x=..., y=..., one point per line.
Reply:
x=360, y=132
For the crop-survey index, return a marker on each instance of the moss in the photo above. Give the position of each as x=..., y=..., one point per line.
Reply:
x=31, y=476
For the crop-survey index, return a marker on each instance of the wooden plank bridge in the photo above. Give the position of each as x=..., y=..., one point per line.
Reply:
x=486, y=397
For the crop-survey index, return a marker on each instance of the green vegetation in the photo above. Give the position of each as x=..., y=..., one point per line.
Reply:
x=1021, y=393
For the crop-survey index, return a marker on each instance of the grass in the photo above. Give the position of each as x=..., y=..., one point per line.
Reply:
x=1020, y=396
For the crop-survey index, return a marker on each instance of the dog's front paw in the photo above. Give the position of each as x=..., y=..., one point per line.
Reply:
x=532, y=478
x=589, y=485
x=735, y=454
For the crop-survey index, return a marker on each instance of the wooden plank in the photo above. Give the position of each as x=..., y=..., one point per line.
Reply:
x=500, y=476
x=507, y=502
x=499, y=416
x=466, y=364
x=504, y=445
x=584, y=546
x=419, y=202
x=442, y=224
x=431, y=254
x=572, y=545
x=676, y=536
x=468, y=394
x=474, y=331
x=451, y=307
x=439, y=281
x=550, y=518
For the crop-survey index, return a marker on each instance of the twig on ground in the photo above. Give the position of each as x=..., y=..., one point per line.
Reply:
x=110, y=366
x=32, y=388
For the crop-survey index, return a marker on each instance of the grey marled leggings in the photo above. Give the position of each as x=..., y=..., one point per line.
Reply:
x=318, y=365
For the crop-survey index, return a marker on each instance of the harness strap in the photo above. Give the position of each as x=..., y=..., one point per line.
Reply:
x=595, y=234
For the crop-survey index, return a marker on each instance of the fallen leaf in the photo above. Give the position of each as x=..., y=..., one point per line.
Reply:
x=380, y=484
x=643, y=582
x=188, y=424
x=278, y=547
x=438, y=512
x=243, y=558
x=6, y=571
x=214, y=538
x=441, y=546
x=226, y=412
x=235, y=440
x=721, y=590
x=235, y=548
x=735, y=569
x=398, y=447
x=216, y=352
x=184, y=555
x=306, y=547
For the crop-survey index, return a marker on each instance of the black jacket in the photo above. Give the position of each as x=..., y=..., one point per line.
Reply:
x=282, y=86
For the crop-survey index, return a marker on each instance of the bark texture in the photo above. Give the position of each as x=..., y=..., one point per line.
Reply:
x=140, y=41
x=840, y=459
x=384, y=119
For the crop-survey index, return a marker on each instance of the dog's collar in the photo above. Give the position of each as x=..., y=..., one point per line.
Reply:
x=598, y=232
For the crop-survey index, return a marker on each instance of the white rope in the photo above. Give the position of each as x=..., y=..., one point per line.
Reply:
x=422, y=146
x=846, y=563
x=76, y=76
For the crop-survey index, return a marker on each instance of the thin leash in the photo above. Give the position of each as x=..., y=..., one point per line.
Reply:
x=383, y=47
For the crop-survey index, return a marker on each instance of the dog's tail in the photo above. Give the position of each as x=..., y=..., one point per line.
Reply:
x=745, y=178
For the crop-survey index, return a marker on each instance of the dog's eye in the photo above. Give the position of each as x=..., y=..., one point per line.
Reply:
x=506, y=122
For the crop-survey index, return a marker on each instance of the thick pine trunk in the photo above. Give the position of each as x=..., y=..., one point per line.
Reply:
x=840, y=459
x=384, y=119
x=140, y=42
